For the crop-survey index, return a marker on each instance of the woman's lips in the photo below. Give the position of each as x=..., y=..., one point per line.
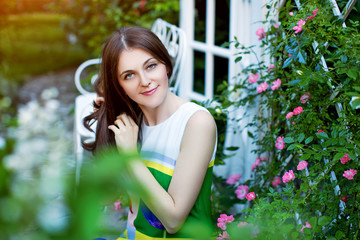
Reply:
x=150, y=92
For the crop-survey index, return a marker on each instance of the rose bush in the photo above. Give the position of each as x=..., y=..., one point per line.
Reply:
x=307, y=127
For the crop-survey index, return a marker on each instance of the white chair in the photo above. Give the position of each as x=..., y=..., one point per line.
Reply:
x=174, y=40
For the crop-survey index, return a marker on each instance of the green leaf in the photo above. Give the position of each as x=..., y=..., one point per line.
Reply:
x=301, y=58
x=355, y=103
x=294, y=235
x=232, y=148
x=351, y=155
x=287, y=62
x=322, y=135
x=313, y=222
x=293, y=82
x=339, y=155
x=292, y=146
x=324, y=220
x=309, y=140
x=352, y=72
x=303, y=82
x=289, y=140
x=250, y=134
x=352, y=93
x=357, y=88
x=317, y=156
x=301, y=137
x=238, y=59
x=305, y=156
x=339, y=234
x=225, y=44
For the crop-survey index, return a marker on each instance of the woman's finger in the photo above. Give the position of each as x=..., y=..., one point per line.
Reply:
x=132, y=122
x=125, y=119
x=114, y=129
x=119, y=123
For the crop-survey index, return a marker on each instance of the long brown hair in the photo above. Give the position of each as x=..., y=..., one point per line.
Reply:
x=107, y=85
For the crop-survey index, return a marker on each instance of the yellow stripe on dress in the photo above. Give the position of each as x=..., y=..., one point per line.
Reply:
x=166, y=170
x=211, y=163
x=159, y=167
x=141, y=236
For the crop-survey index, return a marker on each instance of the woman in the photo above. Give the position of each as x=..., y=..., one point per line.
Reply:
x=176, y=138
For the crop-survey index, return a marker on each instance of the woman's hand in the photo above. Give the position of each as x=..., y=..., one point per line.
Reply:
x=126, y=132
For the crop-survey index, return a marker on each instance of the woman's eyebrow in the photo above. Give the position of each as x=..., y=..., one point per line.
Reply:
x=147, y=60
x=126, y=71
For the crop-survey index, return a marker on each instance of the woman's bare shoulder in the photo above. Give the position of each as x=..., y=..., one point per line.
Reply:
x=201, y=120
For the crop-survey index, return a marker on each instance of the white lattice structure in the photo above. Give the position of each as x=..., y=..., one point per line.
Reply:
x=245, y=18
x=341, y=14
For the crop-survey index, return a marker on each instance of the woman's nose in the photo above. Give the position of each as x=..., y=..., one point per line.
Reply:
x=144, y=80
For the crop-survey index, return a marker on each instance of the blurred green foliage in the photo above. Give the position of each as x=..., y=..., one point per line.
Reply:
x=32, y=44
x=94, y=21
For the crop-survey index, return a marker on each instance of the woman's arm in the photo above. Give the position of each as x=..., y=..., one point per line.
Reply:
x=173, y=206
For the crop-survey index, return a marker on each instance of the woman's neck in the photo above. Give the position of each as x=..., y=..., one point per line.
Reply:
x=157, y=115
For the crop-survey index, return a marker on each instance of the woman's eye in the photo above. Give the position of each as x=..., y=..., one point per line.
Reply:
x=128, y=76
x=152, y=66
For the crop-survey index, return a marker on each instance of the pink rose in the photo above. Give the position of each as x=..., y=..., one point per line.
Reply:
x=276, y=25
x=233, y=179
x=345, y=159
x=271, y=67
x=262, y=87
x=349, y=174
x=320, y=131
x=222, y=236
x=276, y=181
x=304, y=98
x=241, y=191
x=280, y=144
x=291, y=13
x=253, y=166
x=263, y=158
x=302, y=165
x=276, y=84
x=307, y=225
x=260, y=33
x=301, y=23
x=315, y=12
x=257, y=161
x=221, y=225
x=299, y=26
x=298, y=110
x=250, y=196
x=223, y=220
x=288, y=176
x=297, y=29
x=117, y=205
x=254, y=77
x=289, y=115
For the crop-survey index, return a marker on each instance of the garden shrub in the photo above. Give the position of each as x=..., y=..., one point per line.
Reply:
x=92, y=22
x=305, y=182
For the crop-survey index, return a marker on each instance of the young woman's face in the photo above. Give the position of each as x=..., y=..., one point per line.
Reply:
x=143, y=78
